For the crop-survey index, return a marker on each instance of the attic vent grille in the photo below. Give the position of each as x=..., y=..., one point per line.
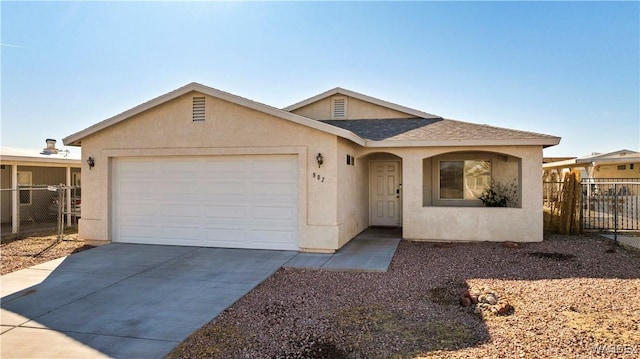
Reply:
x=198, y=109
x=339, y=108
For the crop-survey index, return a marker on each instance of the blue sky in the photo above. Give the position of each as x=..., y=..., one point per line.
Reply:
x=569, y=69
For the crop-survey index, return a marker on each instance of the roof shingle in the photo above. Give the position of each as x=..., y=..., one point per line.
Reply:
x=420, y=129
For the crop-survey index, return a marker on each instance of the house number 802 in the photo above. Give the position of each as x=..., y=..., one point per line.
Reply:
x=318, y=177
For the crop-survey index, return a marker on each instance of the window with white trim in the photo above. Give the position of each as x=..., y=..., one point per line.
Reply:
x=24, y=179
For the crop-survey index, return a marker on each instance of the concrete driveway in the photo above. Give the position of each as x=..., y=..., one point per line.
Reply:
x=124, y=300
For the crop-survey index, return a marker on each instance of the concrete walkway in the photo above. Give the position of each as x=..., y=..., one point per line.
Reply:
x=140, y=301
x=371, y=251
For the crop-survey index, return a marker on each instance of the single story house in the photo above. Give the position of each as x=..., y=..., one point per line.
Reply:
x=28, y=168
x=617, y=164
x=199, y=166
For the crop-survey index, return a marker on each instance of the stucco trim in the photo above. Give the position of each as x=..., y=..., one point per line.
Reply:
x=362, y=97
x=76, y=138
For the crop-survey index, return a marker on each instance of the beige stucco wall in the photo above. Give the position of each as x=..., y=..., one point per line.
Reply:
x=612, y=171
x=353, y=195
x=470, y=223
x=332, y=209
x=356, y=109
x=229, y=129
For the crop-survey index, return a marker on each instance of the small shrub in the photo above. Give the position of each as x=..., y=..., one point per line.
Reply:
x=500, y=195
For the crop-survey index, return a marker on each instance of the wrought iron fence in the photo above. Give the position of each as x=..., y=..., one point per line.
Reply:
x=41, y=209
x=611, y=204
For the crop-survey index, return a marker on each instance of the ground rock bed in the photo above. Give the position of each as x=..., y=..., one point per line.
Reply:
x=414, y=310
x=486, y=300
x=27, y=252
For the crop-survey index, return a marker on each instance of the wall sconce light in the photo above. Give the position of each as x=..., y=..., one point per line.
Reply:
x=319, y=159
x=91, y=162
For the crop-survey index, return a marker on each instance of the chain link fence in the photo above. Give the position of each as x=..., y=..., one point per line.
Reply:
x=41, y=210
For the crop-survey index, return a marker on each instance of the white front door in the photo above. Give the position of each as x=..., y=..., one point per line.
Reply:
x=385, y=193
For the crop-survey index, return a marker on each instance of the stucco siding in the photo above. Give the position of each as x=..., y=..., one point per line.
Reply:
x=439, y=223
x=612, y=171
x=356, y=109
x=334, y=198
x=229, y=129
x=353, y=205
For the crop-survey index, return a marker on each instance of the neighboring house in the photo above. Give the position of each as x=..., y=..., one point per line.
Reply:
x=618, y=164
x=30, y=167
x=198, y=166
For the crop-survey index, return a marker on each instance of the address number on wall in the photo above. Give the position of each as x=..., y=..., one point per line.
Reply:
x=318, y=177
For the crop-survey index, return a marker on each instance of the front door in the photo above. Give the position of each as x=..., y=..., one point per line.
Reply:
x=385, y=193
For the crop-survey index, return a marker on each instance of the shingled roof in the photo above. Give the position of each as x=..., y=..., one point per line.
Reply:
x=436, y=130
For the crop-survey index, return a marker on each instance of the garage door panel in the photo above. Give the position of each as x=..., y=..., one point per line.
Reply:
x=136, y=188
x=225, y=237
x=181, y=233
x=224, y=187
x=282, y=213
x=223, y=201
x=274, y=189
x=137, y=231
x=224, y=212
x=180, y=211
x=137, y=209
x=275, y=237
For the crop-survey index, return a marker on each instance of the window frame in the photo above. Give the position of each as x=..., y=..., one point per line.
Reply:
x=469, y=202
x=20, y=191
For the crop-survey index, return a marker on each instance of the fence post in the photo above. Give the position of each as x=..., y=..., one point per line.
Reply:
x=615, y=216
x=60, y=212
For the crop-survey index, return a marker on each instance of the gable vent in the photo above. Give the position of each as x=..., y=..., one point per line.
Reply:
x=198, y=113
x=339, y=108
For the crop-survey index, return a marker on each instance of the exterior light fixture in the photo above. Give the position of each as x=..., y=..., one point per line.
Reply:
x=319, y=159
x=91, y=162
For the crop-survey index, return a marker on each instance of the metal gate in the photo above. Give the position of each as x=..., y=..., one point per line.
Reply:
x=611, y=203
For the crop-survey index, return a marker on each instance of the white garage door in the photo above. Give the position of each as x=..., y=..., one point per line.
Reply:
x=221, y=201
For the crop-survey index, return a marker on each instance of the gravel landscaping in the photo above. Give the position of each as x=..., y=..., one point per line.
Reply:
x=27, y=252
x=569, y=296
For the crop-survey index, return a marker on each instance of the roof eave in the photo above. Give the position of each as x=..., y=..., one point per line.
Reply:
x=71, y=161
x=605, y=161
x=567, y=163
x=76, y=138
x=546, y=142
